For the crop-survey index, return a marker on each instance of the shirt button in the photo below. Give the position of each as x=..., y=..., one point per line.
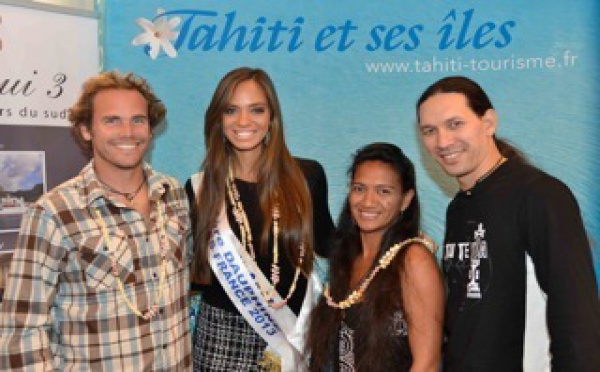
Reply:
x=164, y=346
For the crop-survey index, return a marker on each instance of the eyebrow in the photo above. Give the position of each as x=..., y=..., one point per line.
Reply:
x=376, y=185
x=140, y=116
x=453, y=118
x=254, y=104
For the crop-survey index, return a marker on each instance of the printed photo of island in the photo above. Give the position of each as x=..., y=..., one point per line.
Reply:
x=22, y=182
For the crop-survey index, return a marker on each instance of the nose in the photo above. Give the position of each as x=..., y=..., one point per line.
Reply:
x=369, y=198
x=244, y=118
x=126, y=128
x=444, y=138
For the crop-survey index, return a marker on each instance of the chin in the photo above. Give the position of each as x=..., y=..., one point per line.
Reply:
x=452, y=171
x=246, y=146
x=129, y=164
x=367, y=229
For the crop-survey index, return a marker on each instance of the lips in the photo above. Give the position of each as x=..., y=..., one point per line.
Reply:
x=449, y=157
x=368, y=215
x=128, y=146
x=243, y=134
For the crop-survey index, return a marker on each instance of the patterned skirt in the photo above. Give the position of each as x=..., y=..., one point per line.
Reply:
x=225, y=342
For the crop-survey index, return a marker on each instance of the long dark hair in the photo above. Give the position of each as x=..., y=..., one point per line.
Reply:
x=477, y=100
x=383, y=296
x=280, y=179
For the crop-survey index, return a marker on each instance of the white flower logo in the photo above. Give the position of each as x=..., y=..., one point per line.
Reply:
x=158, y=34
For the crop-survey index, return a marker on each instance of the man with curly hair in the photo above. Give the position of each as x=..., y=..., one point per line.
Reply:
x=99, y=275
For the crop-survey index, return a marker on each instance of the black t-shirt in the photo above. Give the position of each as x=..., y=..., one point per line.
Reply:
x=518, y=210
x=215, y=295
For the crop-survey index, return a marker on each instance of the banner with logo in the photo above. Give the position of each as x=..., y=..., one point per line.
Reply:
x=44, y=58
x=349, y=73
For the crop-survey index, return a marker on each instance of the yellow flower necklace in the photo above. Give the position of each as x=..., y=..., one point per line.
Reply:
x=357, y=295
x=242, y=220
x=153, y=310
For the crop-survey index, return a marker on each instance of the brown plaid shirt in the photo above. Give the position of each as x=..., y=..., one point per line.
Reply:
x=62, y=309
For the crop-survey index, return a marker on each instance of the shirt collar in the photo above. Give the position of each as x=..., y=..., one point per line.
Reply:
x=94, y=192
x=485, y=182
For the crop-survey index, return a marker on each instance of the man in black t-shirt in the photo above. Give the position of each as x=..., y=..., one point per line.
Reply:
x=522, y=292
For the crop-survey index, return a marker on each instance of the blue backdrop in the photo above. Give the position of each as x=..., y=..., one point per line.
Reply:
x=349, y=73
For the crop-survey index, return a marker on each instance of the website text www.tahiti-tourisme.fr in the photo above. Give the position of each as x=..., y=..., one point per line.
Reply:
x=458, y=64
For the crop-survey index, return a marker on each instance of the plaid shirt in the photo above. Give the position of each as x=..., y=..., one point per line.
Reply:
x=62, y=309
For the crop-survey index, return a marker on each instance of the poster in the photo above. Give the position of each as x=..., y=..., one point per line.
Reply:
x=22, y=182
x=43, y=63
x=349, y=74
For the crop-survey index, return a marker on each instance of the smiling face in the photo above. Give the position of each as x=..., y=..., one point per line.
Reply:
x=376, y=198
x=246, y=119
x=459, y=140
x=119, y=132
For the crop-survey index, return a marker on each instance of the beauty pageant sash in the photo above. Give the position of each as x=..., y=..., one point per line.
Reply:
x=241, y=278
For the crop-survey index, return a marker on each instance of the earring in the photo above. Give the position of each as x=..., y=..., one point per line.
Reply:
x=267, y=138
x=223, y=136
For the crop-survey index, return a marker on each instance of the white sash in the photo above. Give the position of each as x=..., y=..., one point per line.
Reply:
x=240, y=277
x=234, y=268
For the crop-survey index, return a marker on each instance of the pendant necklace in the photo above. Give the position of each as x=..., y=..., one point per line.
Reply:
x=127, y=195
x=486, y=174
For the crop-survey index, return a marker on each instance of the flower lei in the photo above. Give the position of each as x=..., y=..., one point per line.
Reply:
x=357, y=295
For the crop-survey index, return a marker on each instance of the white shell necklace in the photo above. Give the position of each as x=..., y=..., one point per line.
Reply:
x=153, y=309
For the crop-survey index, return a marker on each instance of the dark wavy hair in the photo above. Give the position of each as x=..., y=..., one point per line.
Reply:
x=477, y=100
x=82, y=112
x=384, y=295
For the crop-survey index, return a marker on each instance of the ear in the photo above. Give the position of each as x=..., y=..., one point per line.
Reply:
x=85, y=132
x=491, y=121
x=407, y=199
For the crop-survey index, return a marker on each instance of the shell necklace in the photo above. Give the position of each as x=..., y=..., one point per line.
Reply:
x=357, y=295
x=163, y=267
x=241, y=218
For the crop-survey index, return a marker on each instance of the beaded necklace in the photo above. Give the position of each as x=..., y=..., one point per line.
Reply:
x=241, y=218
x=357, y=295
x=163, y=267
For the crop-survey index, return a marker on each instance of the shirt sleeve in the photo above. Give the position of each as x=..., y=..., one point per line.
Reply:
x=32, y=281
x=560, y=250
x=322, y=222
